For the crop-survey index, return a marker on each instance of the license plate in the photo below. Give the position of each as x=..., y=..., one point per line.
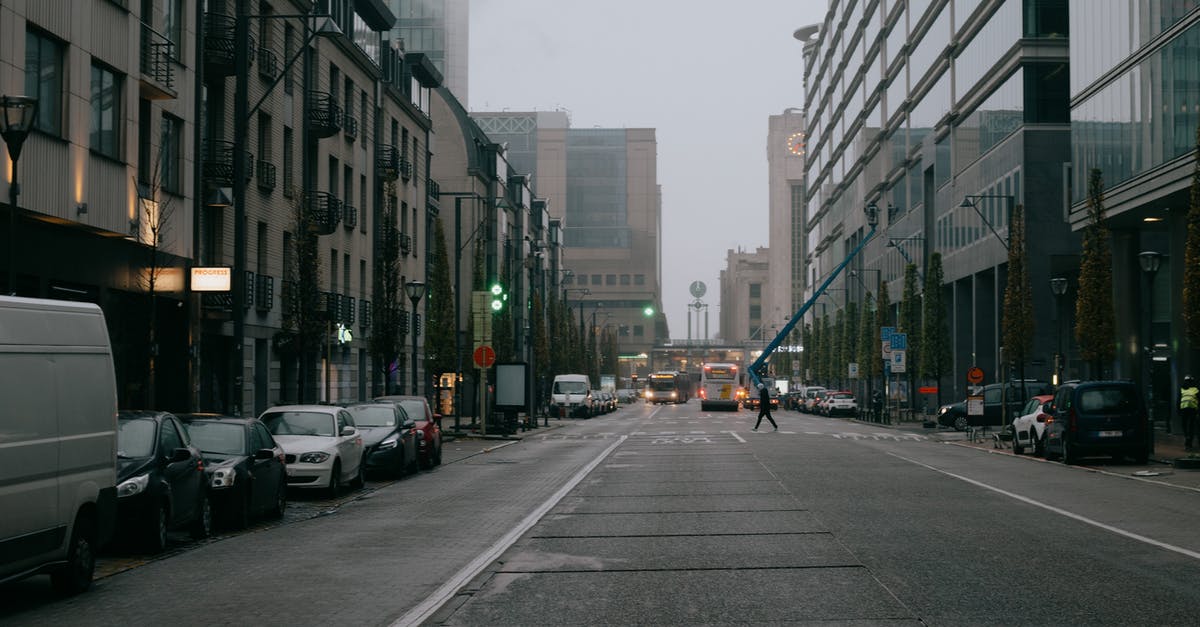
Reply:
x=1110, y=434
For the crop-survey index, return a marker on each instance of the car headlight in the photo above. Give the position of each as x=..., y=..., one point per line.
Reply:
x=387, y=443
x=315, y=457
x=673, y=395
x=135, y=485
x=223, y=478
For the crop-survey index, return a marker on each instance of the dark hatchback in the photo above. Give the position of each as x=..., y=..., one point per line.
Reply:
x=429, y=427
x=389, y=437
x=160, y=480
x=994, y=401
x=1098, y=418
x=244, y=467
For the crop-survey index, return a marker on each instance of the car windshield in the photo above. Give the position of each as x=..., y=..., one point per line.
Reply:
x=843, y=397
x=663, y=385
x=373, y=415
x=414, y=408
x=135, y=438
x=1107, y=400
x=299, y=423
x=570, y=387
x=222, y=438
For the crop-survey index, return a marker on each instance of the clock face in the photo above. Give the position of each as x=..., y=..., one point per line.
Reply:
x=796, y=143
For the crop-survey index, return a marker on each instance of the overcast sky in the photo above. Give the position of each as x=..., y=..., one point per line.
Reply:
x=704, y=78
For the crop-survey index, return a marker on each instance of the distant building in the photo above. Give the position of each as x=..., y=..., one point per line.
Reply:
x=743, y=295
x=439, y=29
x=785, y=177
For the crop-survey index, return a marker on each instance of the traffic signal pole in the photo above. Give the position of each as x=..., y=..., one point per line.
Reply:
x=872, y=221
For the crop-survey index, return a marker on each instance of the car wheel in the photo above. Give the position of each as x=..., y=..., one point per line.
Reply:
x=202, y=526
x=76, y=575
x=1018, y=448
x=156, y=533
x=280, y=505
x=437, y=455
x=1039, y=444
x=335, y=480
x=359, y=479
x=960, y=423
x=1068, y=455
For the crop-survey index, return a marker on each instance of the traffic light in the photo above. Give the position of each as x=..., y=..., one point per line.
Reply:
x=648, y=311
x=499, y=297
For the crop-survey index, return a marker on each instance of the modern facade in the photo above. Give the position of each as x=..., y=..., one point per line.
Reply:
x=746, y=313
x=438, y=29
x=602, y=184
x=1135, y=109
x=944, y=114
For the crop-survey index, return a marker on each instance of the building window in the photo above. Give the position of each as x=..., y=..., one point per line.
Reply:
x=639, y=279
x=568, y=279
x=582, y=279
x=333, y=270
x=638, y=330
x=288, y=148
x=756, y=290
x=264, y=137
x=173, y=26
x=596, y=280
x=44, y=79
x=289, y=49
x=755, y=312
x=624, y=279
x=172, y=154
x=106, y=112
x=610, y=279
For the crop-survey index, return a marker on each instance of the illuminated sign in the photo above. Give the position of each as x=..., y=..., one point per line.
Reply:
x=213, y=279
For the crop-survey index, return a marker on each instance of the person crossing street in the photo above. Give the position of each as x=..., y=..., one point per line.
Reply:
x=764, y=407
x=1188, y=404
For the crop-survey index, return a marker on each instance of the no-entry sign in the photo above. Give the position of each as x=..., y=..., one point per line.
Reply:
x=485, y=356
x=975, y=375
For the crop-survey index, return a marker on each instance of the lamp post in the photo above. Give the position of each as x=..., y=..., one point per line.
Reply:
x=459, y=245
x=415, y=290
x=1150, y=260
x=971, y=201
x=17, y=114
x=1058, y=285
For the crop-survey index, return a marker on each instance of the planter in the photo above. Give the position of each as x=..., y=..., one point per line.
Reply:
x=1187, y=463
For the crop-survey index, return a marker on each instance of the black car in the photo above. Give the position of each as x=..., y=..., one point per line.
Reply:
x=160, y=480
x=994, y=401
x=1098, y=418
x=389, y=437
x=244, y=467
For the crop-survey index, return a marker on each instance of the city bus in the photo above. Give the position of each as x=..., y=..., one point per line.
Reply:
x=668, y=387
x=719, y=384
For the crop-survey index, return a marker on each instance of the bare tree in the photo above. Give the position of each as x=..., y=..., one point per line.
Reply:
x=151, y=228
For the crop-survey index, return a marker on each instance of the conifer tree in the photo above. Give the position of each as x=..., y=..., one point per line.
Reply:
x=935, y=333
x=1191, y=263
x=1018, y=298
x=1094, y=327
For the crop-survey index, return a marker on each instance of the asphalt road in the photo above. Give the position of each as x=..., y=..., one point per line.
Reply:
x=669, y=515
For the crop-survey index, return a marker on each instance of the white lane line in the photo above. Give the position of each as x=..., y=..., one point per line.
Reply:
x=431, y=604
x=1060, y=512
x=736, y=436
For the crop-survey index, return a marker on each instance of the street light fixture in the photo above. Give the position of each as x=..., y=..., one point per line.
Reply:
x=1058, y=285
x=1150, y=261
x=971, y=201
x=17, y=114
x=415, y=290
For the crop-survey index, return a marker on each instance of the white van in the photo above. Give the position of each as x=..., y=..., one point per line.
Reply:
x=58, y=440
x=571, y=395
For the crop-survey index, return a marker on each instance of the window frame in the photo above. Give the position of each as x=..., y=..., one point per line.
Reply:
x=112, y=151
x=49, y=117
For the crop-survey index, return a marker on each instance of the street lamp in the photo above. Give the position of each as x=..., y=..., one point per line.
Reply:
x=972, y=202
x=415, y=290
x=1150, y=260
x=1058, y=285
x=459, y=245
x=17, y=114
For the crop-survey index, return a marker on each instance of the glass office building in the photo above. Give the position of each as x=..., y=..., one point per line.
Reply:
x=1135, y=109
x=946, y=115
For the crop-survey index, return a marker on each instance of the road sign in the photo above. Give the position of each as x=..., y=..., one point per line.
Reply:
x=974, y=405
x=975, y=375
x=927, y=389
x=899, y=359
x=853, y=370
x=885, y=339
x=899, y=341
x=485, y=356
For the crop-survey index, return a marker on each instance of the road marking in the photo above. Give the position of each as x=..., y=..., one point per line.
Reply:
x=431, y=604
x=736, y=436
x=1061, y=512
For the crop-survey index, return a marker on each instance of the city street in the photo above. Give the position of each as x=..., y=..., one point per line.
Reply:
x=669, y=515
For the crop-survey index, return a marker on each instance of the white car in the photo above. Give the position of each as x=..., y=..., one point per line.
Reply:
x=1029, y=428
x=322, y=445
x=839, y=403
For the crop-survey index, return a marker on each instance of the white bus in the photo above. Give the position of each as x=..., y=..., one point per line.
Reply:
x=719, y=384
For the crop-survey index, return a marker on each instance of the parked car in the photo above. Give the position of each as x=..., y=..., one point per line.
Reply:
x=58, y=386
x=611, y=399
x=1029, y=427
x=160, y=480
x=429, y=428
x=389, y=437
x=244, y=467
x=808, y=398
x=813, y=400
x=322, y=444
x=840, y=403
x=571, y=396
x=627, y=396
x=1018, y=393
x=1097, y=418
x=599, y=405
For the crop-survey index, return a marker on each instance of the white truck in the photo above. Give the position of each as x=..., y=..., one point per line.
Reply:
x=571, y=396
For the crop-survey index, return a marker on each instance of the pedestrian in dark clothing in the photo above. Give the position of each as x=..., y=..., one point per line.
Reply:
x=1188, y=404
x=764, y=407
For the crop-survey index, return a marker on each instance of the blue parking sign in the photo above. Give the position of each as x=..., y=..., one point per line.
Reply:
x=899, y=341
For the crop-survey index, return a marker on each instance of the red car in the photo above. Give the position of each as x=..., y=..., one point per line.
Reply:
x=429, y=430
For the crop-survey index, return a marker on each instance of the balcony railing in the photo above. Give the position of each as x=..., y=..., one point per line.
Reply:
x=264, y=297
x=265, y=171
x=156, y=64
x=323, y=211
x=406, y=168
x=325, y=116
x=432, y=189
x=219, y=45
x=350, y=126
x=365, y=305
x=387, y=162
x=347, y=310
x=349, y=217
x=268, y=63
x=218, y=162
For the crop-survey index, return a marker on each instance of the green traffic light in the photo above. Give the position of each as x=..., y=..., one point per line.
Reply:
x=648, y=311
x=497, y=305
x=497, y=289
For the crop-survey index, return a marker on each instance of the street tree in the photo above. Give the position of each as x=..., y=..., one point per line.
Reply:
x=389, y=318
x=935, y=332
x=1018, y=299
x=153, y=229
x=541, y=347
x=808, y=344
x=870, y=360
x=883, y=318
x=1191, y=263
x=910, y=325
x=1094, y=314
x=304, y=324
x=837, y=350
x=850, y=338
x=439, y=328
